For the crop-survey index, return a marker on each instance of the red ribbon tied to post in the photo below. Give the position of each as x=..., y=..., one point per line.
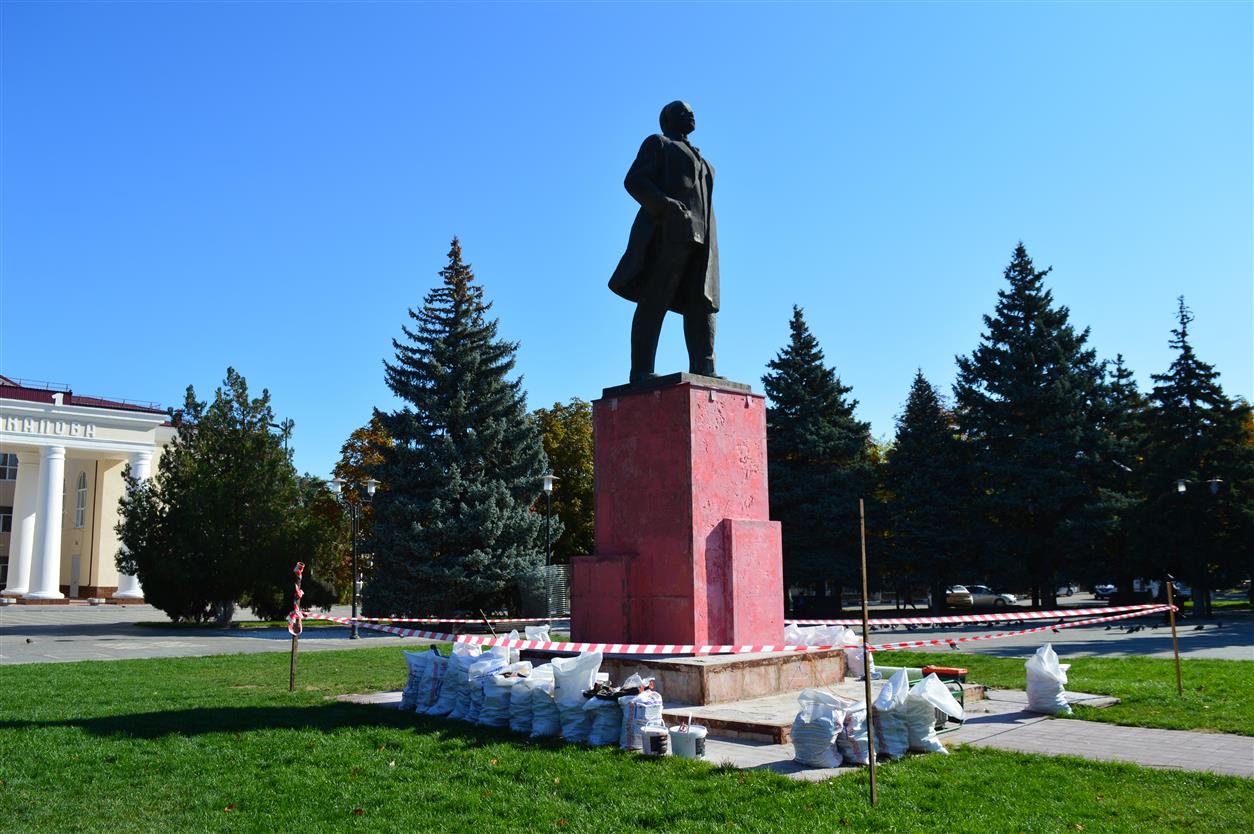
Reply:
x=295, y=620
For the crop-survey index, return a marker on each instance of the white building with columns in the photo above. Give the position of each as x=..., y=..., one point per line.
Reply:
x=61, y=462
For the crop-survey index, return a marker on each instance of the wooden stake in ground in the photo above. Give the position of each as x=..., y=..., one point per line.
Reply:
x=295, y=625
x=1175, y=644
x=866, y=658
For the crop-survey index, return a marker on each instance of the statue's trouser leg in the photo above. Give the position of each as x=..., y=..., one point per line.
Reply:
x=699, y=336
x=646, y=324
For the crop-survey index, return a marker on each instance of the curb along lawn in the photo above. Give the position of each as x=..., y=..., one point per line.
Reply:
x=1218, y=694
x=218, y=744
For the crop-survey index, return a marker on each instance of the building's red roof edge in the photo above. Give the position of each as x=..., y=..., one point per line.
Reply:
x=40, y=395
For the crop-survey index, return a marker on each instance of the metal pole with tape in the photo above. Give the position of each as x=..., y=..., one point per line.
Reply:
x=866, y=657
x=295, y=625
x=1175, y=644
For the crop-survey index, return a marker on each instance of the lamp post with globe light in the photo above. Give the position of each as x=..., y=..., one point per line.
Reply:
x=354, y=512
x=549, y=480
x=1200, y=606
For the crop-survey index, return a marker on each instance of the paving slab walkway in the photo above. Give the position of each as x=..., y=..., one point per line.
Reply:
x=1001, y=721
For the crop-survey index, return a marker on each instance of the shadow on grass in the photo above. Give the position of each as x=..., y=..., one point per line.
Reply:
x=325, y=718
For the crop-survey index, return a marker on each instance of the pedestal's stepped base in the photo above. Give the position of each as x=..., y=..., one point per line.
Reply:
x=770, y=718
x=718, y=679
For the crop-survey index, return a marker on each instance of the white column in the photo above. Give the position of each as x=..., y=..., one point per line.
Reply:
x=22, y=541
x=128, y=584
x=46, y=566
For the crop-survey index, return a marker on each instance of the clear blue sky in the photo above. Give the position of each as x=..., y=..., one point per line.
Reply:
x=270, y=186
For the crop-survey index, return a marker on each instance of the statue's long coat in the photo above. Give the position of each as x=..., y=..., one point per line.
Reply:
x=667, y=168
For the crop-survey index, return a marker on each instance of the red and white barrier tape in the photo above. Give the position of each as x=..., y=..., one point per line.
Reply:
x=658, y=649
x=295, y=624
x=951, y=641
x=984, y=618
x=455, y=620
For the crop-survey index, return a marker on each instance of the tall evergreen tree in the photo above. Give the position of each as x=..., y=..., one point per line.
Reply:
x=928, y=494
x=1103, y=529
x=454, y=526
x=1024, y=399
x=224, y=518
x=819, y=460
x=1198, y=437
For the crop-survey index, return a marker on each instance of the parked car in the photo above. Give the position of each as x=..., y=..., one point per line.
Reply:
x=958, y=596
x=1104, y=591
x=1067, y=589
x=984, y=596
x=1154, y=588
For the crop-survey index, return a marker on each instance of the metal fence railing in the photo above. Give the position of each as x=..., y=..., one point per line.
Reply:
x=546, y=592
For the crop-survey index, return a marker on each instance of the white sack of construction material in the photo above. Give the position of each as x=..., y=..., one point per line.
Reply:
x=470, y=682
x=927, y=696
x=853, y=660
x=795, y=635
x=892, y=738
x=816, y=727
x=639, y=711
x=426, y=672
x=853, y=742
x=1046, y=683
x=520, y=698
x=607, y=721
x=573, y=676
x=833, y=635
x=480, y=674
x=540, y=633
x=431, y=682
x=416, y=663
x=515, y=655
x=545, y=719
x=496, y=694
x=454, y=678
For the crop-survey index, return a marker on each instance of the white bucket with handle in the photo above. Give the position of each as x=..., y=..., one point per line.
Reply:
x=688, y=741
x=653, y=740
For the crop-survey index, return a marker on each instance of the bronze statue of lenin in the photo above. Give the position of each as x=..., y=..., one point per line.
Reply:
x=671, y=262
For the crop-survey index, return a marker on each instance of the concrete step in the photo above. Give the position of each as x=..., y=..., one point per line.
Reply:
x=770, y=718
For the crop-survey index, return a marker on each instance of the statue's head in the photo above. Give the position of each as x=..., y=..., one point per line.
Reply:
x=677, y=119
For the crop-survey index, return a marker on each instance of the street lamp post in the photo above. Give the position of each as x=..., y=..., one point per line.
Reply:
x=1200, y=606
x=337, y=487
x=549, y=480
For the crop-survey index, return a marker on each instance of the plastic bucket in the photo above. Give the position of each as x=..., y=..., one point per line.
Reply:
x=690, y=744
x=653, y=741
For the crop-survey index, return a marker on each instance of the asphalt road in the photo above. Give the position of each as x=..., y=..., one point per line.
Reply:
x=1225, y=637
x=62, y=633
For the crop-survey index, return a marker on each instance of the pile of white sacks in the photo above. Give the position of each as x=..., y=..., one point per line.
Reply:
x=560, y=698
x=830, y=731
x=835, y=635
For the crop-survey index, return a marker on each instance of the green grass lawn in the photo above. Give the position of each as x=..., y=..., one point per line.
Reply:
x=218, y=744
x=1218, y=694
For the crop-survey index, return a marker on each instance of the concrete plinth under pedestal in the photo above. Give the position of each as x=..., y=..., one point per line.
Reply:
x=722, y=678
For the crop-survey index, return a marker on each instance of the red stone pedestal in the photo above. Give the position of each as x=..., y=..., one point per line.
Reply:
x=685, y=551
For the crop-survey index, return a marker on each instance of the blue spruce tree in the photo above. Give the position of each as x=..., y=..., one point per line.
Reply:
x=454, y=528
